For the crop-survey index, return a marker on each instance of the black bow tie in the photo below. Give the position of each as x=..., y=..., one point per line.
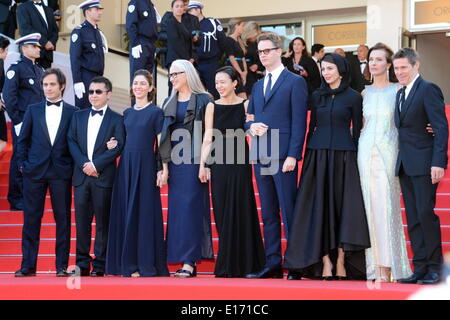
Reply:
x=38, y=3
x=94, y=112
x=58, y=104
x=363, y=62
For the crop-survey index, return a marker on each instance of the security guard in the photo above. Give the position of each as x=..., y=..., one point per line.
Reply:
x=141, y=22
x=211, y=47
x=88, y=46
x=22, y=88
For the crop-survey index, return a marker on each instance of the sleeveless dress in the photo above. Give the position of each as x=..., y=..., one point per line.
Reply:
x=136, y=231
x=241, y=249
x=377, y=156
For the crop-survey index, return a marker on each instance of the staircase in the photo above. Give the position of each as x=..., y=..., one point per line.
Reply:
x=11, y=222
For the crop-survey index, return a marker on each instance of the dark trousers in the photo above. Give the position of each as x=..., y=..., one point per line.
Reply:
x=34, y=194
x=207, y=70
x=424, y=229
x=15, y=176
x=86, y=77
x=92, y=200
x=277, y=191
x=146, y=61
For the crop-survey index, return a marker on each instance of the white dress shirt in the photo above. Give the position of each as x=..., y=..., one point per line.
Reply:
x=94, y=123
x=53, y=116
x=41, y=11
x=362, y=65
x=275, y=75
x=318, y=64
x=409, y=86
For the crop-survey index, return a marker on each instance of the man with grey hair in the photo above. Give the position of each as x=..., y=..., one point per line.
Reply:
x=421, y=162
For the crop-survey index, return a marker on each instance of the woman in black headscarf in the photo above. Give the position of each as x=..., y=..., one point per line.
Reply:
x=329, y=233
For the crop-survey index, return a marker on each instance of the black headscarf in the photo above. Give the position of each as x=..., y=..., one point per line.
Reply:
x=343, y=67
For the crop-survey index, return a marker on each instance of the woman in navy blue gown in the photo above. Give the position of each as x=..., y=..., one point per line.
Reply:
x=189, y=219
x=136, y=233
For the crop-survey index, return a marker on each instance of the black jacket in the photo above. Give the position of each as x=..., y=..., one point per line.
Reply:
x=179, y=42
x=419, y=150
x=313, y=79
x=329, y=127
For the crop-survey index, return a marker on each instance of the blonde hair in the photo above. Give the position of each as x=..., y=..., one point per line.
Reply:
x=232, y=24
x=193, y=79
x=251, y=31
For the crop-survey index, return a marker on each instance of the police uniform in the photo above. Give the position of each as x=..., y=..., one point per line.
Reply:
x=141, y=23
x=22, y=88
x=87, y=55
x=210, y=50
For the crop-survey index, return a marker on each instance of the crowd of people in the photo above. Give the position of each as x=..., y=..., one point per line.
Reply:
x=376, y=127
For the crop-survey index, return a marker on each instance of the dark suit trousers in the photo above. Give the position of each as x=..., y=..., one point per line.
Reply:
x=276, y=192
x=34, y=194
x=15, y=177
x=424, y=230
x=92, y=200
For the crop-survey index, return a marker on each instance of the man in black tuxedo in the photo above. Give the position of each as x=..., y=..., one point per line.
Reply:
x=35, y=17
x=46, y=163
x=358, y=66
x=421, y=162
x=94, y=172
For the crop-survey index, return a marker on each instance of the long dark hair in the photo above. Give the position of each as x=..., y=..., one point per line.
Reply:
x=291, y=46
x=389, y=55
x=231, y=72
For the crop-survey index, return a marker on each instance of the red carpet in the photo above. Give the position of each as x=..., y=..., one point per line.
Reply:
x=45, y=287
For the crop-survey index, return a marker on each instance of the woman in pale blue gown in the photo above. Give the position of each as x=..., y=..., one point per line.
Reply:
x=387, y=258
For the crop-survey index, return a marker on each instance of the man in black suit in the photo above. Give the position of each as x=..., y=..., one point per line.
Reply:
x=35, y=17
x=317, y=54
x=358, y=66
x=46, y=163
x=421, y=162
x=94, y=172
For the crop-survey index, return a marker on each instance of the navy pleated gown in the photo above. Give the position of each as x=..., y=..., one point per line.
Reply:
x=136, y=232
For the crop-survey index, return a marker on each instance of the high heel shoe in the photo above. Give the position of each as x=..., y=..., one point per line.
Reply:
x=182, y=273
x=328, y=278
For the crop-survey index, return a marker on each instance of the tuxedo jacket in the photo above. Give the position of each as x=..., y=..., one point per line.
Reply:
x=31, y=21
x=4, y=10
x=35, y=151
x=104, y=160
x=418, y=149
x=284, y=110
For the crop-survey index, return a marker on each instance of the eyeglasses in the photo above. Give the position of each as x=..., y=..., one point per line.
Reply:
x=97, y=92
x=266, y=51
x=175, y=74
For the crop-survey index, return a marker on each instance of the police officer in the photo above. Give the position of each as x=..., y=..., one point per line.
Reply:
x=22, y=88
x=141, y=22
x=211, y=48
x=88, y=46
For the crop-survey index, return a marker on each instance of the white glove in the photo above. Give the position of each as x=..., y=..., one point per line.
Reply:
x=17, y=128
x=79, y=89
x=136, y=51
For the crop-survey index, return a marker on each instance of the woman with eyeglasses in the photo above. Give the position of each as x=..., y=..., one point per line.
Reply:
x=329, y=232
x=235, y=51
x=189, y=218
x=4, y=44
x=136, y=245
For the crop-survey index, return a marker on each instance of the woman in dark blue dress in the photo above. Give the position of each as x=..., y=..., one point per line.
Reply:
x=189, y=220
x=136, y=233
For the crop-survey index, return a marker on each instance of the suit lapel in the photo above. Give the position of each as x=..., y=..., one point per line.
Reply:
x=84, y=130
x=36, y=11
x=103, y=129
x=63, y=123
x=397, y=110
x=410, y=98
x=43, y=121
x=275, y=87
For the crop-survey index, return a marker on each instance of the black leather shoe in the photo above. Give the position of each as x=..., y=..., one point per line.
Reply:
x=62, y=273
x=412, y=279
x=16, y=207
x=25, y=273
x=430, y=278
x=83, y=272
x=293, y=275
x=97, y=273
x=267, y=273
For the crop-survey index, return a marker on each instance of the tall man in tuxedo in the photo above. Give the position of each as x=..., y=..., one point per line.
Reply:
x=22, y=88
x=278, y=104
x=35, y=17
x=358, y=67
x=94, y=172
x=421, y=162
x=46, y=164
